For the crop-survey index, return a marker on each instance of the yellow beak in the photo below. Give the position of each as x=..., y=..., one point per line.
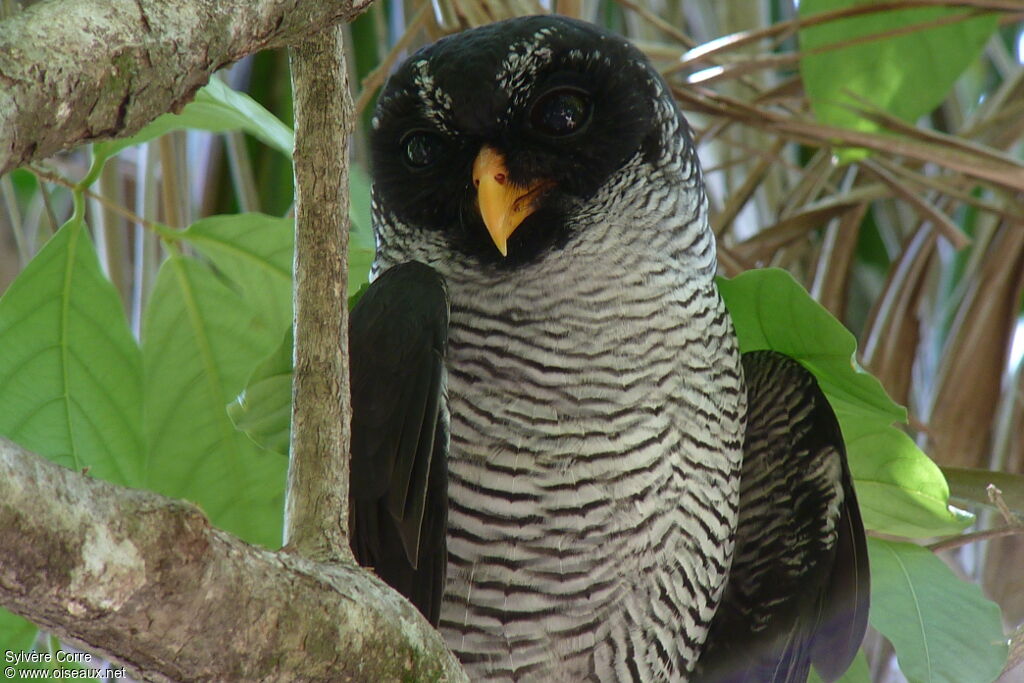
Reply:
x=503, y=205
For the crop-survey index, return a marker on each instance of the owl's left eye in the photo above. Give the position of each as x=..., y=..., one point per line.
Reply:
x=560, y=112
x=422, y=149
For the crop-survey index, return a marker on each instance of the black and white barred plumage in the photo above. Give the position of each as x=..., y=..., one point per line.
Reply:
x=580, y=521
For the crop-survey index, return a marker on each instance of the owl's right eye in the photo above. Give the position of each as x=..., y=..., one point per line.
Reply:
x=422, y=149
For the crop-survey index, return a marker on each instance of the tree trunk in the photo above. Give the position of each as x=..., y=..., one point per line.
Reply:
x=130, y=575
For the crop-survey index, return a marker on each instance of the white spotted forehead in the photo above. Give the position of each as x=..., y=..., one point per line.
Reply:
x=529, y=56
x=516, y=75
x=438, y=102
x=522, y=63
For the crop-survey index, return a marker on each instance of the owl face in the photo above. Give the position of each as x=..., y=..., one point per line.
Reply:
x=496, y=138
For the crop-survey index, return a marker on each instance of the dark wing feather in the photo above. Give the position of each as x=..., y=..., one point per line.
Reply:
x=397, y=338
x=798, y=587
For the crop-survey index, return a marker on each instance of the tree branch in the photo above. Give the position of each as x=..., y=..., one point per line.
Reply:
x=140, y=579
x=316, y=512
x=146, y=581
x=76, y=71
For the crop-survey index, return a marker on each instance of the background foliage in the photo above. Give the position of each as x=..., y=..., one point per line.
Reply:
x=873, y=151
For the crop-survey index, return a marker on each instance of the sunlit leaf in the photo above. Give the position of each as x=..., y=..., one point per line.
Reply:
x=255, y=251
x=903, y=492
x=216, y=108
x=200, y=341
x=70, y=371
x=905, y=75
x=943, y=629
x=263, y=410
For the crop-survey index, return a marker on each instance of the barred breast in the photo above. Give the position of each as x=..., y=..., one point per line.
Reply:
x=596, y=407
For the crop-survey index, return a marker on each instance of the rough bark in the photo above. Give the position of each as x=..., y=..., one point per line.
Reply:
x=137, y=578
x=76, y=71
x=317, y=501
x=147, y=582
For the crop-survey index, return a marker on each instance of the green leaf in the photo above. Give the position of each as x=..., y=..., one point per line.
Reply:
x=359, y=211
x=70, y=370
x=859, y=672
x=900, y=490
x=905, y=75
x=16, y=634
x=359, y=261
x=200, y=341
x=255, y=252
x=264, y=410
x=361, y=245
x=354, y=298
x=216, y=108
x=943, y=628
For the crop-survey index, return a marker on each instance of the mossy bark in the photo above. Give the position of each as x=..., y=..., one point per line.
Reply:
x=77, y=71
x=147, y=582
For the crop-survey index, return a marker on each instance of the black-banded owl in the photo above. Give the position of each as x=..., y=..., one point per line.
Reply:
x=559, y=453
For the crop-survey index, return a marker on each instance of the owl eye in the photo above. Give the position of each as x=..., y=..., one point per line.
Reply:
x=422, y=149
x=560, y=112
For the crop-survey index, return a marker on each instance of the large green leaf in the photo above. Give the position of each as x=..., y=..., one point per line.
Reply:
x=943, y=628
x=254, y=251
x=200, y=341
x=859, y=672
x=901, y=491
x=906, y=75
x=216, y=108
x=70, y=371
x=16, y=634
x=264, y=410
